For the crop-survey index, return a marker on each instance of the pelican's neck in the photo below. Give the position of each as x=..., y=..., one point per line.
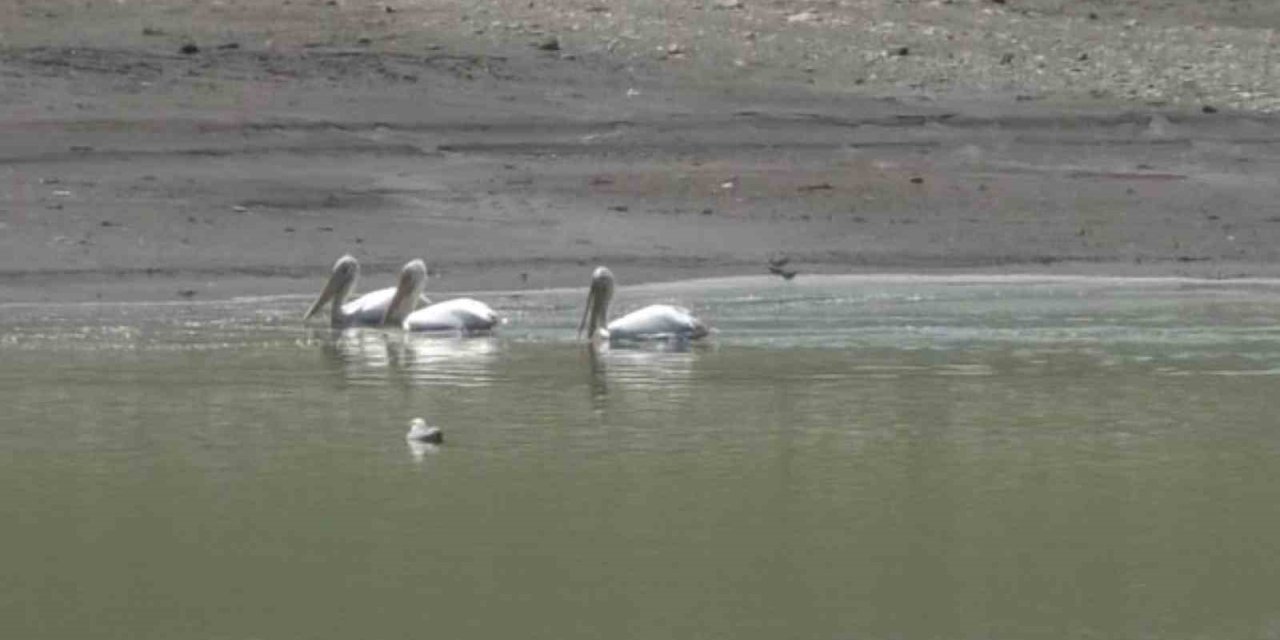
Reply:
x=599, y=321
x=413, y=278
x=603, y=303
x=595, y=317
x=336, y=315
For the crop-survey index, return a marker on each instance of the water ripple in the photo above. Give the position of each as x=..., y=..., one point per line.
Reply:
x=1119, y=321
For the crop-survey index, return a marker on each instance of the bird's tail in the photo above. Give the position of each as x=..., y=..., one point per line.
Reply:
x=699, y=330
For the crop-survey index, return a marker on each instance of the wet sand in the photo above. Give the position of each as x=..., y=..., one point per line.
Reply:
x=290, y=133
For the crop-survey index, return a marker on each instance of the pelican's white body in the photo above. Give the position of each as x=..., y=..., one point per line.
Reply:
x=460, y=314
x=656, y=322
x=368, y=309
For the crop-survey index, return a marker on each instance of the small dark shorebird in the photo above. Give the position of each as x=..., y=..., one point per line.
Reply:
x=777, y=267
x=419, y=431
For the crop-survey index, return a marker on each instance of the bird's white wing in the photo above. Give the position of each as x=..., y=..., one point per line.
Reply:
x=369, y=308
x=459, y=314
x=657, y=321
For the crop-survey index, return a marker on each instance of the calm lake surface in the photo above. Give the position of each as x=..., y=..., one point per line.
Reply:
x=890, y=457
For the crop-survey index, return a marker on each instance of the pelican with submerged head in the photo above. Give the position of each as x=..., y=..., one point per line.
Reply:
x=654, y=322
x=367, y=310
x=463, y=315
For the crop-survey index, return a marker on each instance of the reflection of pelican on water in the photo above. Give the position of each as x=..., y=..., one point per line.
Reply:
x=626, y=381
x=460, y=315
x=423, y=358
x=654, y=322
x=351, y=346
x=454, y=360
x=665, y=368
x=360, y=355
x=369, y=309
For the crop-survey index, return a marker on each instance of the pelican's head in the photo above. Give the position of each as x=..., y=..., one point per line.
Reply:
x=420, y=432
x=413, y=278
x=341, y=282
x=596, y=316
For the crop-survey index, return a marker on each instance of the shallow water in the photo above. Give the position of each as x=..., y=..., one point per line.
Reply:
x=886, y=457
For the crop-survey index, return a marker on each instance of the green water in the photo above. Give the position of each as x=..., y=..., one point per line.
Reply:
x=849, y=458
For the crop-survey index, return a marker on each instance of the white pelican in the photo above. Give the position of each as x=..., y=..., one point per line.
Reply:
x=367, y=310
x=654, y=322
x=419, y=431
x=460, y=314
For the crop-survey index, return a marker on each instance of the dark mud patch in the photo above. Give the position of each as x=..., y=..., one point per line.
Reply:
x=239, y=63
x=85, y=153
x=287, y=198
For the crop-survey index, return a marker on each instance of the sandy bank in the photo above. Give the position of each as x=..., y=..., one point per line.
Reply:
x=295, y=133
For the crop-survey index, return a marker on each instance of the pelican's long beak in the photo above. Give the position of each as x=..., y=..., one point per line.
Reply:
x=588, y=313
x=330, y=290
x=596, y=314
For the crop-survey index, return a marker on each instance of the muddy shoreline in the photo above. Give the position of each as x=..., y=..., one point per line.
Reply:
x=132, y=170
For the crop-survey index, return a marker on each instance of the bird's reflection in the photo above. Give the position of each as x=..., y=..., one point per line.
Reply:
x=599, y=375
x=462, y=361
x=420, y=450
x=356, y=352
x=362, y=353
x=660, y=368
x=419, y=348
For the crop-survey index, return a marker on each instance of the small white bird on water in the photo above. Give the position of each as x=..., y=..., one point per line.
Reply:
x=654, y=322
x=367, y=310
x=463, y=315
x=420, y=431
